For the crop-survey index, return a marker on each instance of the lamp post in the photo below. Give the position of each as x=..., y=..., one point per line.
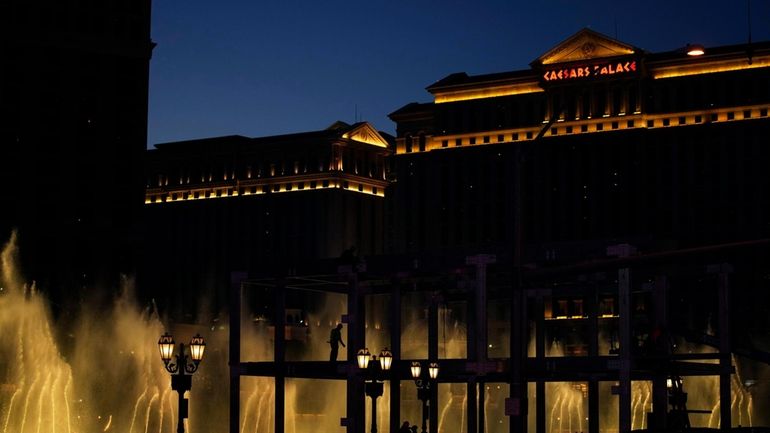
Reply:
x=423, y=383
x=374, y=372
x=181, y=370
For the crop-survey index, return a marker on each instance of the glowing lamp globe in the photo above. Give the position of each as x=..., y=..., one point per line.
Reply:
x=433, y=370
x=166, y=347
x=363, y=358
x=197, y=347
x=695, y=50
x=416, y=370
x=386, y=359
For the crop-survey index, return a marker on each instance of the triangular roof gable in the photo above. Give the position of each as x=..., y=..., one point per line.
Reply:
x=364, y=132
x=585, y=45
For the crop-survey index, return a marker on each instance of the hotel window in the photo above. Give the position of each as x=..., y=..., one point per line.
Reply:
x=747, y=114
x=312, y=184
x=763, y=112
x=650, y=123
x=276, y=187
x=444, y=143
x=360, y=187
x=632, y=101
x=714, y=117
x=422, y=142
x=458, y=142
x=569, y=130
x=374, y=190
x=698, y=119
x=730, y=115
x=486, y=139
x=630, y=124
x=615, y=125
x=408, y=143
x=554, y=131
x=666, y=122
x=265, y=189
x=472, y=140
x=682, y=120
x=529, y=135
x=325, y=183
x=500, y=138
x=599, y=126
x=583, y=128
x=617, y=101
x=515, y=136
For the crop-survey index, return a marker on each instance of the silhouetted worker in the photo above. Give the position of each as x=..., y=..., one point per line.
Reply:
x=335, y=339
x=405, y=428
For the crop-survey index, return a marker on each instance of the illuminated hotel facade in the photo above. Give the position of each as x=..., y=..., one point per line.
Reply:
x=224, y=204
x=660, y=150
x=565, y=240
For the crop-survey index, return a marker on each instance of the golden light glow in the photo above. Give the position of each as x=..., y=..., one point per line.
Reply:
x=366, y=134
x=603, y=124
x=363, y=358
x=709, y=68
x=197, y=347
x=386, y=359
x=367, y=186
x=415, y=369
x=166, y=347
x=433, y=370
x=695, y=50
x=487, y=92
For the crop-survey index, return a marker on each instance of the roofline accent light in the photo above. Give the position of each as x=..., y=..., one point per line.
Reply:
x=695, y=50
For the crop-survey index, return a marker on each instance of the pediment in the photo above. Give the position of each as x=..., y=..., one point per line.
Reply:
x=585, y=45
x=365, y=133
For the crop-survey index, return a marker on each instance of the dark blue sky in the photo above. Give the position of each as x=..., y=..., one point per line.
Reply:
x=260, y=68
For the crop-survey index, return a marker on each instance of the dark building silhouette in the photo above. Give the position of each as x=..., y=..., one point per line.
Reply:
x=263, y=204
x=73, y=126
x=616, y=144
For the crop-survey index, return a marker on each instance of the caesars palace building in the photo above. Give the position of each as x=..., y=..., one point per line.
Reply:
x=599, y=161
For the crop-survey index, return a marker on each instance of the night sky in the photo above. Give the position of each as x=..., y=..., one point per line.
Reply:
x=259, y=68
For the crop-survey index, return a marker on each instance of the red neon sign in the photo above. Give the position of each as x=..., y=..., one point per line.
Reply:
x=585, y=71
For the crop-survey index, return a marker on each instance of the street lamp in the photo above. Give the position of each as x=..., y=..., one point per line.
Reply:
x=423, y=382
x=181, y=370
x=374, y=372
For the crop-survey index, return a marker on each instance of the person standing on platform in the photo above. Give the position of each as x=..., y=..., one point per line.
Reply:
x=335, y=339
